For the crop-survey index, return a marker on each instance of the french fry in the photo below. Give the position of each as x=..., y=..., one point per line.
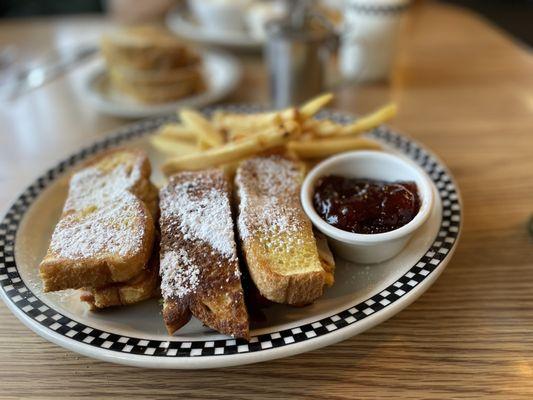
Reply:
x=230, y=169
x=370, y=121
x=201, y=146
x=322, y=127
x=172, y=146
x=229, y=137
x=241, y=126
x=327, y=147
x=235, y=121
x=290, y=114
x=238, y=126
x=290, y=125
x=313, y=106
x=328, y=128
x=202, y=127
x=177, y=131
x=229, y=152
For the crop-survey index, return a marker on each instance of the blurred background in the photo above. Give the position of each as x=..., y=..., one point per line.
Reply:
x=71, y=71
x=304, y=47
x=514, y=16
x=460, y=72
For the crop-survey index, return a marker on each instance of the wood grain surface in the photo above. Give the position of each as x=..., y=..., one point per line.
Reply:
x=466, y=91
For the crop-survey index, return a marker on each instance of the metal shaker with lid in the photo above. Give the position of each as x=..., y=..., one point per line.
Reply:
x=297, y=52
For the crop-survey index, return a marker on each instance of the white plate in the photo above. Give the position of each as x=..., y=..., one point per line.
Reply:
x=222, y=74
x=363, y=296
x=183, y=25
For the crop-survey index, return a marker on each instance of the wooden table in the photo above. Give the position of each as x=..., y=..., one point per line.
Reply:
x=466, y=91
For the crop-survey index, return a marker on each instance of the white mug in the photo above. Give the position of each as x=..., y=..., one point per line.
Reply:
x=369, y=38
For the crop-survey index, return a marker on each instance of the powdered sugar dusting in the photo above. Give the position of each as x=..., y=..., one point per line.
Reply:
x=268, y=189
x=100, y=232
x=92, y=185
x=179, y=275
x=203, y=213
x=197, y=231
x=101, y=216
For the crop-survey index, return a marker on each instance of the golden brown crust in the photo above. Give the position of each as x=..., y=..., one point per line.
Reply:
x=176, y=314
x=162, y=93
x=274, y=249
x=191, y=73
x=57, y=276
x=151, y=65
x=146, y=48
x=225, y=313
x=141, y=287
x=209, y=279
x=326, y=257
x=218, y=300
x=295, y=289
x=69, y=265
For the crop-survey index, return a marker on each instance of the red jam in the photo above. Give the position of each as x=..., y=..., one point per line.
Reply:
x=365, y=205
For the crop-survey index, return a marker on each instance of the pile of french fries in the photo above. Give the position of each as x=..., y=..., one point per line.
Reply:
x=198, y=143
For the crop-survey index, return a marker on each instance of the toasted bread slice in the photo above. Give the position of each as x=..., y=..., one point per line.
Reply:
x=141, y=287
x=106, y=231
x=150, y=65
x=155, y=78
x=199, y=267
x=157, y=93
x=326, y=257
x=146, y=47
x=276, y=235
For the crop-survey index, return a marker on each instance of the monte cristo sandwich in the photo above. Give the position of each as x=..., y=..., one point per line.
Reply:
x=276, y=236
x=106, y=232
x=199, y=266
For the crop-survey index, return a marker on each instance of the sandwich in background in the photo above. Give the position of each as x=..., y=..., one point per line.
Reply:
x=199, y=267
x=150, y=65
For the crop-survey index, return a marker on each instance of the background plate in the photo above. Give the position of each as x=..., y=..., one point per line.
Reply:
x=362, y=296
x=222, y=73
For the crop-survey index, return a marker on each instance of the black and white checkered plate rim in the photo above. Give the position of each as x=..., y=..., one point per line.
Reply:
x=54, y=323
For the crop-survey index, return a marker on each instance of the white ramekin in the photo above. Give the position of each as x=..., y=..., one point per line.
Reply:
x=369, y=248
